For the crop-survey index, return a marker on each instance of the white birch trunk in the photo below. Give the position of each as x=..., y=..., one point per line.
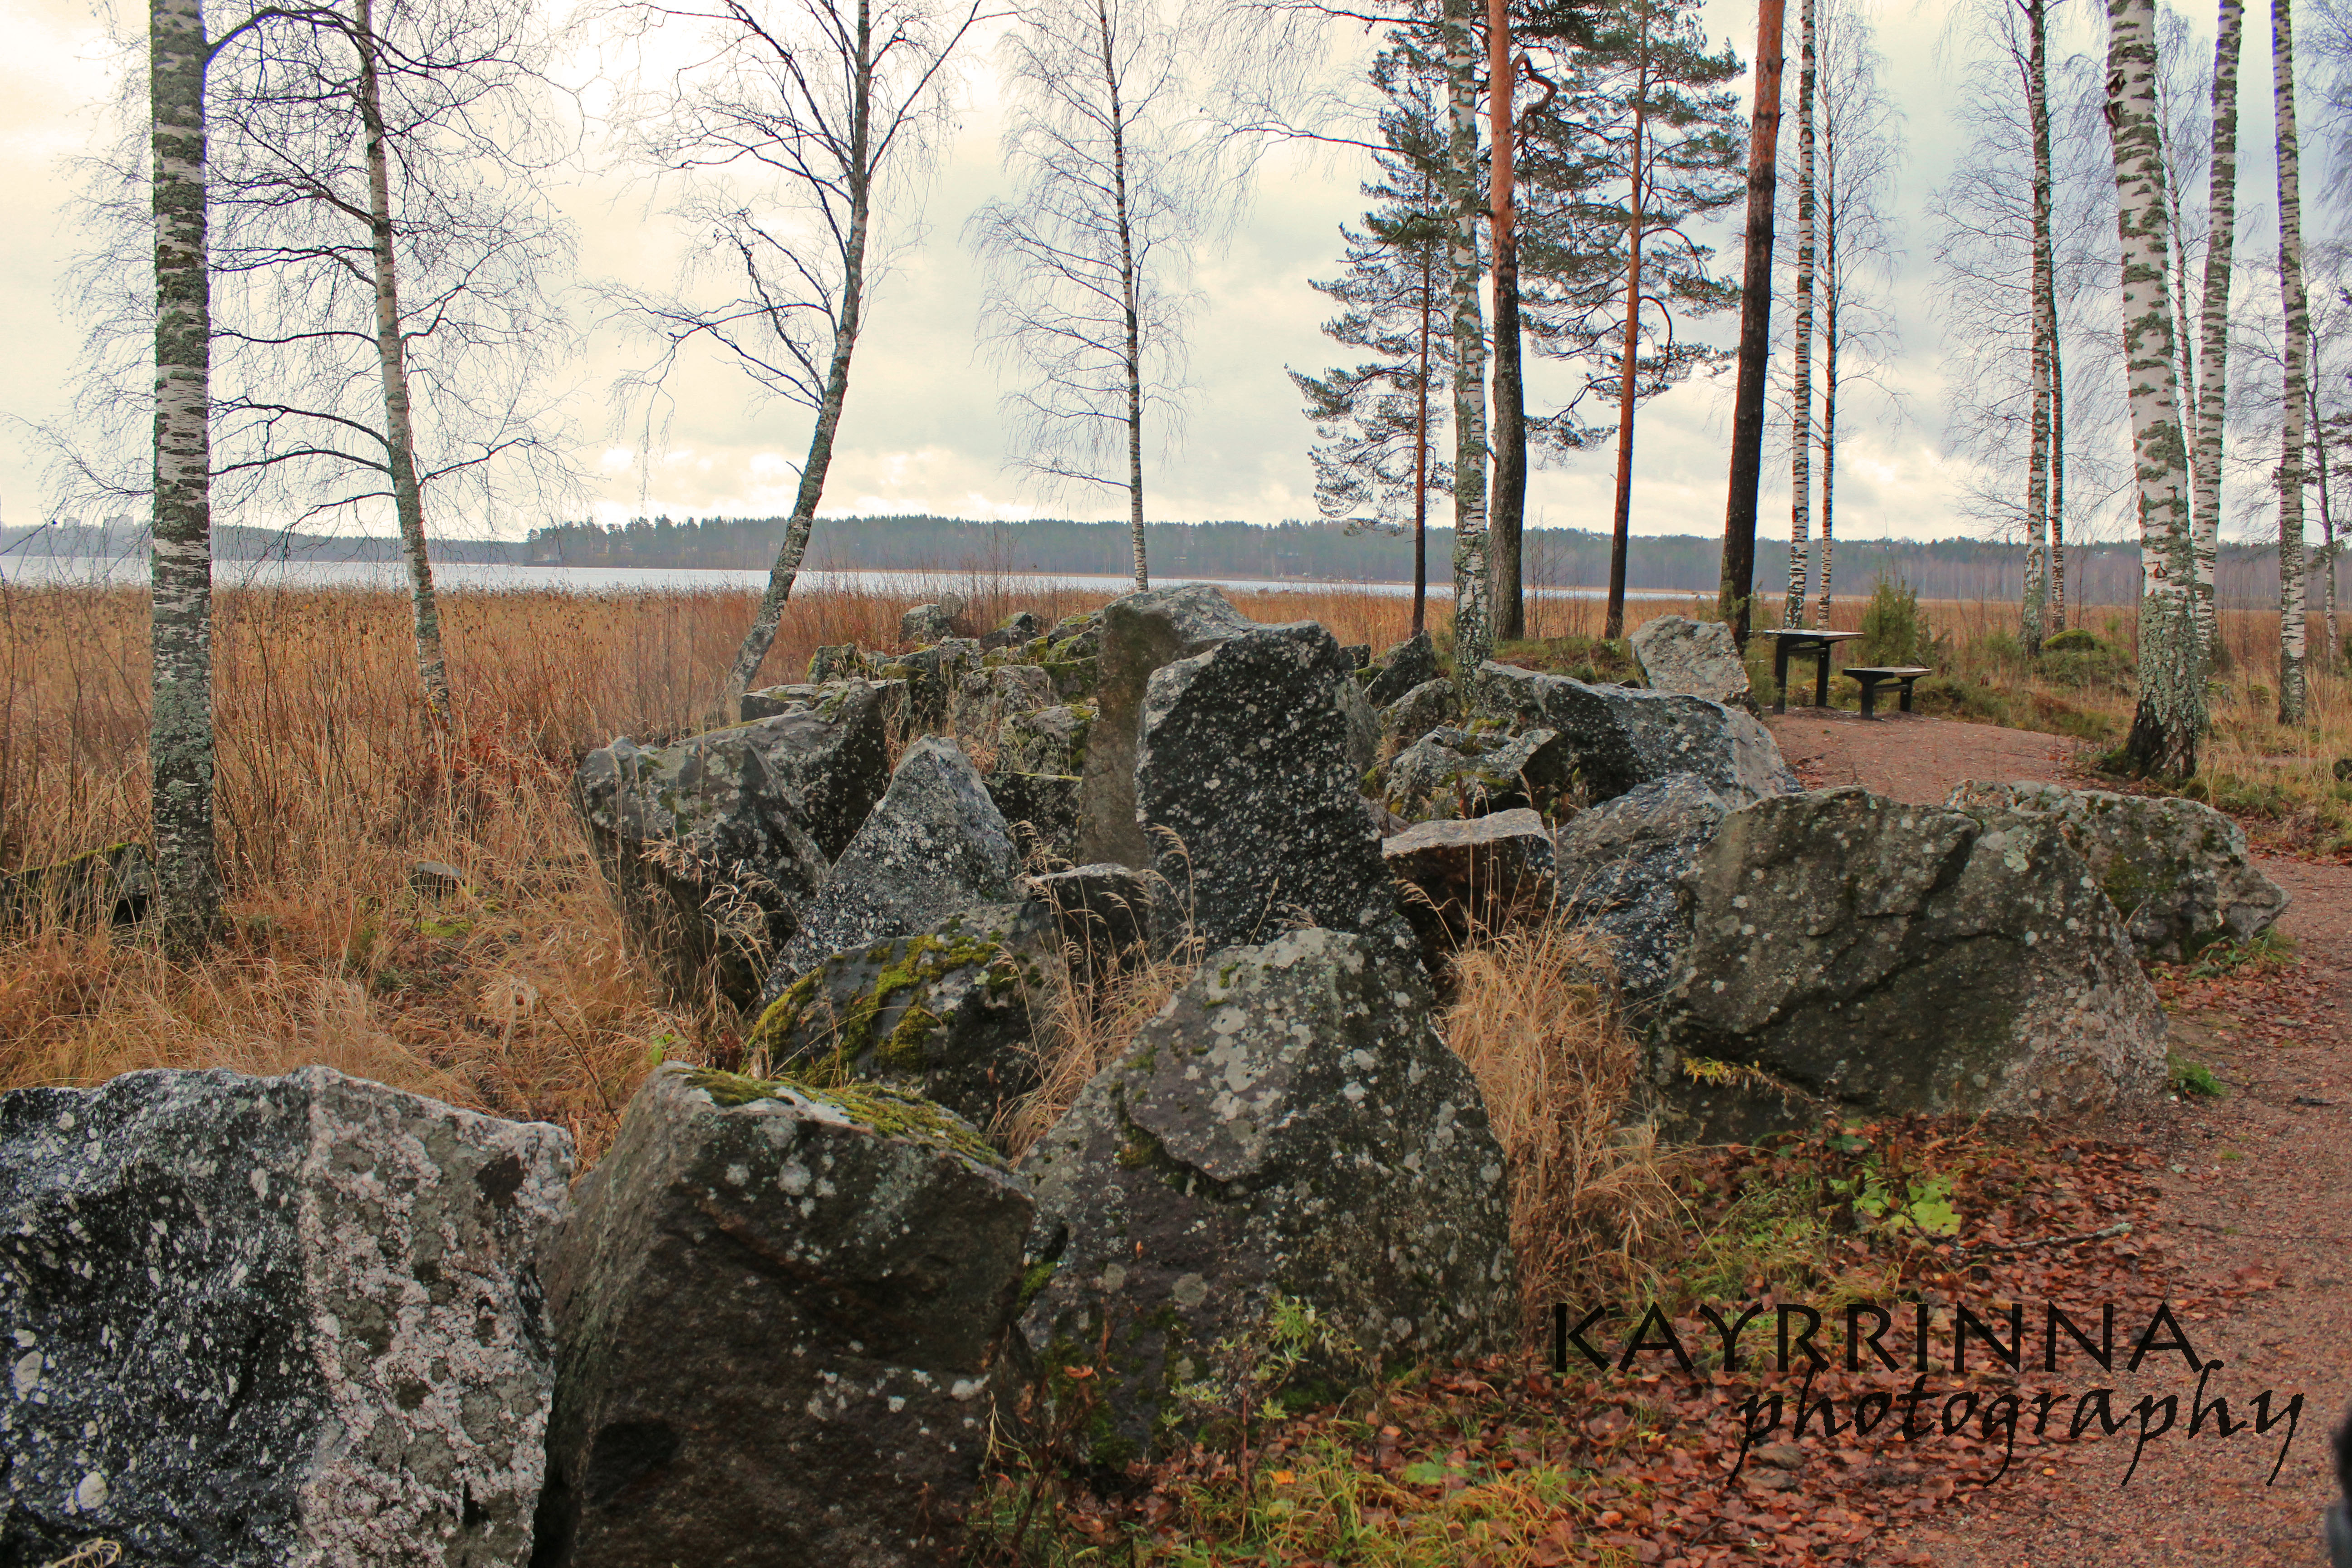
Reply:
x=1131, y=345
x=2170, y=719
x=2213, y=383
x=1801, y=435
x=400, y=438
x=2292, y=607
x=180, y=728
x=1473, y=586
x=770, y=613
x=2045, y=331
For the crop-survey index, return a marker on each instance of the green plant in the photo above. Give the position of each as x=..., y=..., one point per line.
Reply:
x=1925, y=1205
x=2194, y=1078
x=2271, y=949
x=1896, y=632
x=2074, y=640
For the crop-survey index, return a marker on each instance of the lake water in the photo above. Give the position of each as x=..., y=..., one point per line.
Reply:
x=390, y=577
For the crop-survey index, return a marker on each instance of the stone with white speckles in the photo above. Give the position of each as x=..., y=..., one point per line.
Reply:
x=934, y=843
x=289, y=1322
x=1698, y=659
x=1622, y=738
x=794, y=1367
x=1290, y=1125
x=1884, y=958
x=1619, y=863
x=1245, y=780
x=2177, y=870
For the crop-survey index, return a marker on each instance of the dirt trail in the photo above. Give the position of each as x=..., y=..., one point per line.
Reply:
x=2257, y=1188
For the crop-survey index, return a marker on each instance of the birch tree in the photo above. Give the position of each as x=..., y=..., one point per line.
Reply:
x=1801, y=435
x=180, y=728
x=1861, y=152
x=2213, y=370
x=1474, y=623
x=2038, y=516
x=2170, y=719
x=784, y=149
x=2293, y=393
x=1087, y=298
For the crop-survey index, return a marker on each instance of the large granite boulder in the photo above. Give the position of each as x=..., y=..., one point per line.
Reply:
x=1451, y=773
x=1624, y=738
x=1697, y=659
x=1245, y=782
x=1429, y=706
x=1290, y=1131
x=780, y=1310
x=2177, y=870
x=713, y=844
x=954, y=1012
x=257, y=1321
x=1410, y=664
x=1619, y=865
x=930, y=623
x=1020, y=626
x=1047, y=741
x=932, y=675
x=1139, y=634
x=934, y=843
x=1479, y=875
x=1870, y=956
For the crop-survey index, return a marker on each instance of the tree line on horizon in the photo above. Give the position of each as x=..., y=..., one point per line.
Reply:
x=328, y=277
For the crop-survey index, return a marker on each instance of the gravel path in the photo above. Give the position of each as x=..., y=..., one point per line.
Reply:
x=2255, y=1221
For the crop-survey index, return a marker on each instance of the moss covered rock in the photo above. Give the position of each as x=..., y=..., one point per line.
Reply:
x=1884, y=958
x=953, y=1013
x=1451, y=773
x=987, y=697
x=2177, y=870
x=934, y=843
x=1051, y=739
x=780, y=1310
x=1289, y=1132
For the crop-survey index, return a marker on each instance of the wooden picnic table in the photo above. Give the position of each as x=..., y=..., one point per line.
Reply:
x=1787, y=640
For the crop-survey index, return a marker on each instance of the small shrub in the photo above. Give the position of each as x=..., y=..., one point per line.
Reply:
x=1895, y=632
x=2072, y=640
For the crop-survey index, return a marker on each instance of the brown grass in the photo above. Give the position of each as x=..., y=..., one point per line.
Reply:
x=1590, y=1194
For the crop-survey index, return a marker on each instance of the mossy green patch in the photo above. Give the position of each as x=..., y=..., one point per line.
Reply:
x=893, y=1113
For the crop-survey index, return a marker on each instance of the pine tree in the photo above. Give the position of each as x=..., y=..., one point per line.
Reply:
x=1379, y=421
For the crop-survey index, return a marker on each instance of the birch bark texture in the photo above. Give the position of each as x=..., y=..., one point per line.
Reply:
x=1801, y=434
x=2045, y=306
x=1474, y=620
x=2213, y=371
x=180, y=731
x=400, y=430
x=2170, y=724
x=1087, y=299
x=2294, y=395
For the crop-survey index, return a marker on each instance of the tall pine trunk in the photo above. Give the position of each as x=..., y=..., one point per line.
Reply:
x=2292, y=597
x=1800, y=433
x=1508, y=511
x=400, y=437
x=2170, y=719
x=1755, y=327
x=2213, y=386
x=764, y=621
x=180, y=728
x=2033, y=618
x=1628, y=365
x=1473, y=633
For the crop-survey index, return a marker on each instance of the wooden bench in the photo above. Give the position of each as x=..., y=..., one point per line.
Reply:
x=1870, y=677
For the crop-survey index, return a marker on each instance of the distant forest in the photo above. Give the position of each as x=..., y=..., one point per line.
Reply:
x=1560, y=558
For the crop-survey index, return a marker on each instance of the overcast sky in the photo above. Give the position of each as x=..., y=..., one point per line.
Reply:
x=922, y=433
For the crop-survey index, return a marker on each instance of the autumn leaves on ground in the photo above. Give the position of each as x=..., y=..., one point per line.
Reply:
x=516, y=993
